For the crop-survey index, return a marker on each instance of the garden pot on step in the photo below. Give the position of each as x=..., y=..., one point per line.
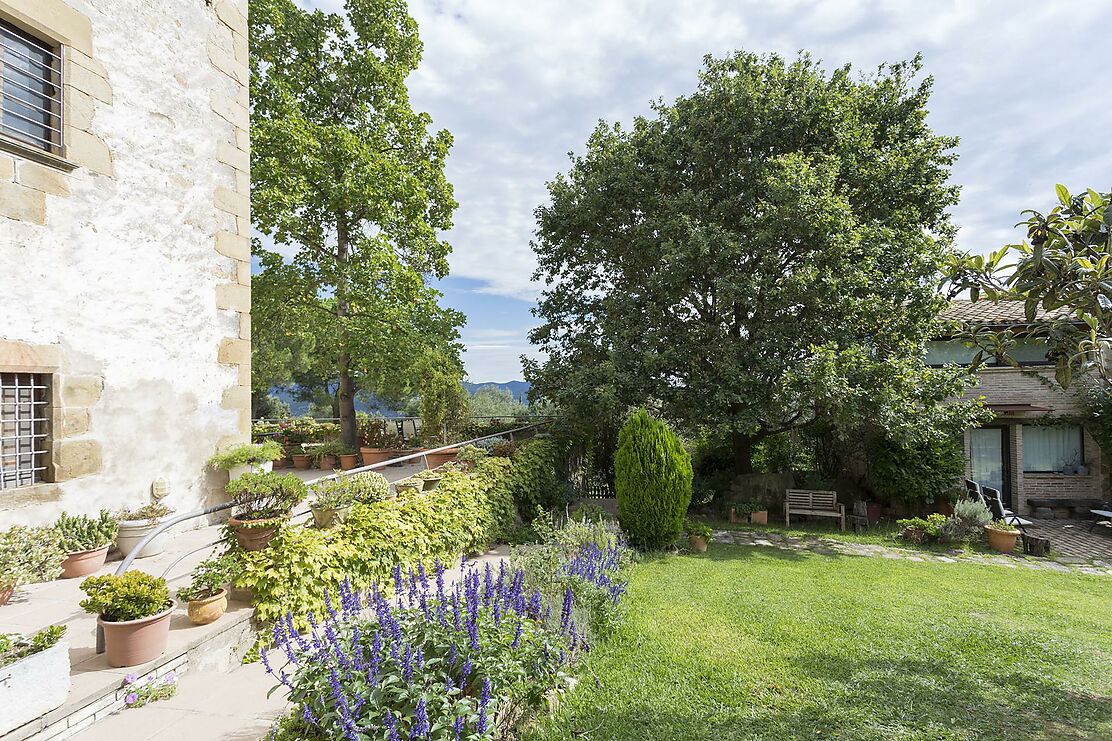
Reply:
x=697, y=543
x=326, y=517
x=376, y=455
x=436, y=459
x=209, y=609
x=277, y=464
x=759, y=517
x=236, y=471
x=328, y=463
x=33, y=686
x=300, y=460
x=133, y=531
x=348, y=462
x=255, y=535
x=6, y=594
x=84, y=563
x=1001, y=540
x=134, y=642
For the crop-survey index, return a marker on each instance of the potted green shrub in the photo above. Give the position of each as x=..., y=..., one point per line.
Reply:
x=134, y=611
x=334, y=498
x=28, y=555
x=300, y=458
x=34, y=676
x=749, y=510
x=379, y=445
x=262, y=503
x=206, y=597
x=85, y=541
x=136, y=524
x=698, y=536
x=326, y=455
x=248, y=457
x=408, y=486
x=1001, y=536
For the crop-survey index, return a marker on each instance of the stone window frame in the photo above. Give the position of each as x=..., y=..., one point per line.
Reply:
x=52, y=105
x=62, y=28
x=45, y=459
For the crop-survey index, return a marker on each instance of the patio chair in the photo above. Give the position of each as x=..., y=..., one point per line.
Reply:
x=999, y=512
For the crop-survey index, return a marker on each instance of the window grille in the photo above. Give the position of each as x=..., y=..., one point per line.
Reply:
x=30, y=89
x=24, y=420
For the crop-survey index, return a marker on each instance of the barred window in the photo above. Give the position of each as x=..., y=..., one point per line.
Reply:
x=30, y=89
x=24, y=420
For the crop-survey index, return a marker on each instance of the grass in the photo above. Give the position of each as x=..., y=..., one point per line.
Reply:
x=758, y=643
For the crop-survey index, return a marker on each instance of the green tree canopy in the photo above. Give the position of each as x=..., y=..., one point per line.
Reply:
x=347, y=177
x=706, y=260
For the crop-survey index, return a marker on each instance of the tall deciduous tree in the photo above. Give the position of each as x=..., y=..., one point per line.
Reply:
x=348, y=178
x=698, y=261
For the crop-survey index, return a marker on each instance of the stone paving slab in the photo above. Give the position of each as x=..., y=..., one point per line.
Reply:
x=833, y=547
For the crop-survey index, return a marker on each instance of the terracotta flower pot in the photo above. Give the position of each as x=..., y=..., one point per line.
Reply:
x=6, y=594
x=735, y=517
x=436, y=459
x=376, y=455
x=328, y=463
x=697, y=543
x=759, y=518
x=1001, y=540
x=84, y=563
x=326, y=517
x=873, y=512
x=348, y=462
x=943, y=506
x=254, y=535
x=209, y=609
x=300, y=461
x=279, y=463
x=134, y=642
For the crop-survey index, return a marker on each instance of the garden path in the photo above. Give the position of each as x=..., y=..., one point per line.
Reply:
x=833, y=547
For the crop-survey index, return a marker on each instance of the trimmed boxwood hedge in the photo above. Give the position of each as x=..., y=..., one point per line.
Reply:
x=464, y=514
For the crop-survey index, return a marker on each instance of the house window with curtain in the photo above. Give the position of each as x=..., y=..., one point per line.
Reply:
x=1051, y=448
x=30, y=89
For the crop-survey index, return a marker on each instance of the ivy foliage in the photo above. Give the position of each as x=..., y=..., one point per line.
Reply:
x=653, y=481
x=464, y=514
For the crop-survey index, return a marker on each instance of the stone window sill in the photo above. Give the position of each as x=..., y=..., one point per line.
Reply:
x=18, y=148
x=28, y=495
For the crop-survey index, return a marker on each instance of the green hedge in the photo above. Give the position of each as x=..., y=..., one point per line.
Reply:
x=653, y=481
x=536, y=480
x=464, y=514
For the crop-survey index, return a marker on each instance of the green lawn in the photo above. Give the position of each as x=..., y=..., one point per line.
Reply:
x=758, y=643
x=883, y=533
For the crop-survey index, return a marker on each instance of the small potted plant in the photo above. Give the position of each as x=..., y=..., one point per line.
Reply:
x=85, y=541
x=334, y=498
x=27, y=555
x=469, y=455
x=136, y=524
x=134, y=611
x=206, y=597
x=263, y=502
x=34, y=676
x=326, y=455
x=349, y=459
x=429, y=478
x=1001, y=536
x=750, y=511
x=408, y=486
x=300, y=458
x=698, y=535
x=248, y=457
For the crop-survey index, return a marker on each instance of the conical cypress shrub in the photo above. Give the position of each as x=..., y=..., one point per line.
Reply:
x=653, y=480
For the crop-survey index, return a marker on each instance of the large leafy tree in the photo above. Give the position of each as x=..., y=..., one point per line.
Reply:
x=705, y=259
x=348, y=178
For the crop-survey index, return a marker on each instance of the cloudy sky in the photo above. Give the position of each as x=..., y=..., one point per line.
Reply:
x=520, y=84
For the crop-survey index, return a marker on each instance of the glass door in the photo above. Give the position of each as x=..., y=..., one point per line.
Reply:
x=988, y=450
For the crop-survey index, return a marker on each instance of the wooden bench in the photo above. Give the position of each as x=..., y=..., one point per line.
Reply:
x=812, y=502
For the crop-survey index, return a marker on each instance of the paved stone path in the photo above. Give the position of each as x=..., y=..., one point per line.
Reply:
x=833, y=547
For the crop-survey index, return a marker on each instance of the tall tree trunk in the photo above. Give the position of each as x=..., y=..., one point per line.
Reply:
x=743, y=453
x=349, y=432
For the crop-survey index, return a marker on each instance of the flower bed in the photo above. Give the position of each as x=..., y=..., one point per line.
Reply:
x=473, y=661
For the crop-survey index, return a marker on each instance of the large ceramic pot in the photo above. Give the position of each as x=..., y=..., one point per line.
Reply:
x=33, y=686
x=236, y=471
x=376, y=455
x=328, y=463
x=1001, y=540
x=326, y=517
x=300, y=460
x=83, y=563
x=437, y=459
x=134, y=642
x=697, y=543
x=131, y=532
x=348, y=462
x=209, y=609
x=255, y=535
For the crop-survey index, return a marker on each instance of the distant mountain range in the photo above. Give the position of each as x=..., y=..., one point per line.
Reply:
x=519, y=389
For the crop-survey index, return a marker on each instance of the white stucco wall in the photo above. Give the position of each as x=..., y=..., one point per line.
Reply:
x=123, y=275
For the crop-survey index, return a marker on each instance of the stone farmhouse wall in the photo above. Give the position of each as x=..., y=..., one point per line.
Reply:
x=1017, y=386
x=126, y=258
